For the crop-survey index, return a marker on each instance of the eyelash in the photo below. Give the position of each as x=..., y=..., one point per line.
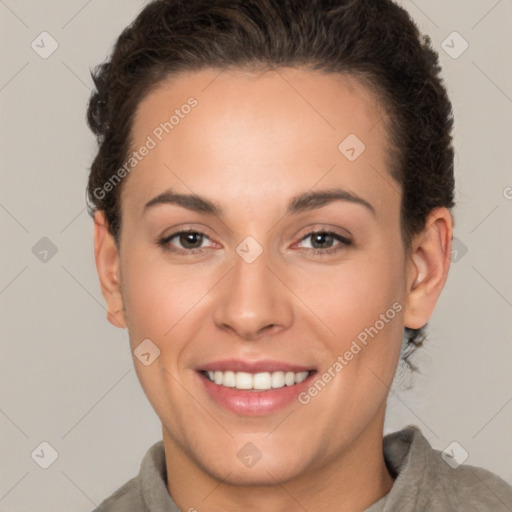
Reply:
x=344, y=243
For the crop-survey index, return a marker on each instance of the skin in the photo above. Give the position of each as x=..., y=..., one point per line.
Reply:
x=254, y=141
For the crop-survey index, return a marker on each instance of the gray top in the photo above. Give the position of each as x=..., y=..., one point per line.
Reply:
x=424, y=482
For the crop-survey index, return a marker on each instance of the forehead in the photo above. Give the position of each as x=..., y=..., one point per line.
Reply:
x=281, y=130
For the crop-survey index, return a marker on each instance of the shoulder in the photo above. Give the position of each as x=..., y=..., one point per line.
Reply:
x=436, y=481
x=464, y=484
x=128, y=498
x=146, y=491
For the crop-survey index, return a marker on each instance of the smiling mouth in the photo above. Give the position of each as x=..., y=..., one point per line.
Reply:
x=262, y=381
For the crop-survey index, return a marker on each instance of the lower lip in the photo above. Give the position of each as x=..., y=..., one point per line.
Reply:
x=254, y=403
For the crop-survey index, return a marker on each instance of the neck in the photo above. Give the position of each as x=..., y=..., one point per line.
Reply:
x=352, y=480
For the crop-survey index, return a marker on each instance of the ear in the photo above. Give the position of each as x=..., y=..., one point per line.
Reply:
x=428, y=267
x=107, y=264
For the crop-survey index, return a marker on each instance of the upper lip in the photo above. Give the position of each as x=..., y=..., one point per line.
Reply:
x=263, y=365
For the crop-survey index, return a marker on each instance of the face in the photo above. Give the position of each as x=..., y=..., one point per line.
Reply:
x=293, y=274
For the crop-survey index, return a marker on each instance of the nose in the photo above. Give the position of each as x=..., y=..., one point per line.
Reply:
x=253, y=301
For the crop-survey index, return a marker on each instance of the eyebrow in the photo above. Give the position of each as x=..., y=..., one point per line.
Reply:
x=304, y=202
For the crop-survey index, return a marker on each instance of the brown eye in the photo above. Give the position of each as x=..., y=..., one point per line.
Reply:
x=190, y=242
x=186, y=238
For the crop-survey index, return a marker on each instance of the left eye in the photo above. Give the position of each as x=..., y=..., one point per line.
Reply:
x=326, y=237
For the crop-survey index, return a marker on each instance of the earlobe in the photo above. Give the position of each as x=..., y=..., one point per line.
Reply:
x=106, y=256
x=428, y=268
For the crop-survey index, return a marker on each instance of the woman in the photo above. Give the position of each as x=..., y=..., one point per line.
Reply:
x=272, y=211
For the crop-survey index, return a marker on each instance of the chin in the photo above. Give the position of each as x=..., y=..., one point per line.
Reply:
x=261, y=474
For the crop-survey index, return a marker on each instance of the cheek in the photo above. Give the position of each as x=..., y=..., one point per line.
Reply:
x=361, y=302
x=157, y=295
x=164, y=301
x=353, y=294
x=159, y=300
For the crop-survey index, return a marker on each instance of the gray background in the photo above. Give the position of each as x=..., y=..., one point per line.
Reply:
x=66, y=374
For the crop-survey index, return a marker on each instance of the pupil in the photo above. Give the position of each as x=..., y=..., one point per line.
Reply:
x=321, y=237
x=188, y=237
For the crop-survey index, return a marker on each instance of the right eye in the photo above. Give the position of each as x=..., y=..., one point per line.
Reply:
x=185, y=238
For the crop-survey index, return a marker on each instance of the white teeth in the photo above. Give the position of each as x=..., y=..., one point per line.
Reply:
x=278, y=379
x=262, y=381
x=257, y=381
x=289, y=378
x=301, y=376
x=228, y=379
x=243, y=380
